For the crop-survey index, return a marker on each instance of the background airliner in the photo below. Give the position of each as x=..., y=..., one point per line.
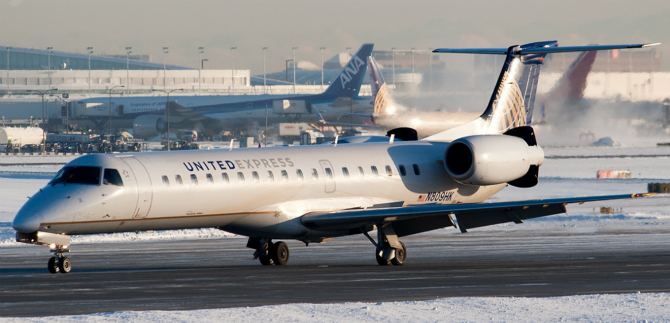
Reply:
x=314, y=193
x=211, y=114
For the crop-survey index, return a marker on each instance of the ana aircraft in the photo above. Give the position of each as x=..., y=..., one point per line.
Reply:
x=314, y=193
x=210, y=114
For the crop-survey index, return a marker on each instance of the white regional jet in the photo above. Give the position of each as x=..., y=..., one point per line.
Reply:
x=313, y=193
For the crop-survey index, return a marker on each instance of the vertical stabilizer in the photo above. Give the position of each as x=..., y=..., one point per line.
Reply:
x=380, y=93
x=348, y=83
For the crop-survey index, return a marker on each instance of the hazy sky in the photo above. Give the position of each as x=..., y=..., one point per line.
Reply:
x=148, y=25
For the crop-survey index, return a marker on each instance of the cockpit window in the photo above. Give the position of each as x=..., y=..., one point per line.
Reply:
x=78, y=175
x=112, y=177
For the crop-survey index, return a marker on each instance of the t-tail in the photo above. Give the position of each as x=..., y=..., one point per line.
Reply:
x=513, y=99
x=348, y=83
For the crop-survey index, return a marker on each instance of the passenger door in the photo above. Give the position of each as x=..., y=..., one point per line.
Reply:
x=329, y=175
x=144, y=187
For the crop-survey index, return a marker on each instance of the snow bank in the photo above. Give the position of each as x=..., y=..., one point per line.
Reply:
x=637, y=307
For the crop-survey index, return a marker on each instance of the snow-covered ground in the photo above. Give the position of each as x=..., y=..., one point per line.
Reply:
x=559, y=178
x=638, y=307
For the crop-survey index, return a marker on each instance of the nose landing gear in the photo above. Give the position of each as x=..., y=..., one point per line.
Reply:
x=269, y=253
x=59, y=263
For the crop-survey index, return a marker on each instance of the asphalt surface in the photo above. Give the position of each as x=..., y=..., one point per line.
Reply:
x=214, y=273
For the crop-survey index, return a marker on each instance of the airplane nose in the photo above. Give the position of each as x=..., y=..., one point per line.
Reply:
x=26, y=223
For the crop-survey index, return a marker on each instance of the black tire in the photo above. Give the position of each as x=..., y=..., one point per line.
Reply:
x=280, y=253
x=381, y=261
x=65, y=265
x=53, y=265
x=400, y=256
x=267, y=260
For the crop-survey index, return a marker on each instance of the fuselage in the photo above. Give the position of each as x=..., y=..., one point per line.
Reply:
x=253, y=192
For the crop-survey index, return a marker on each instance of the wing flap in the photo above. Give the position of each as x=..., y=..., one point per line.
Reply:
x=415, y=219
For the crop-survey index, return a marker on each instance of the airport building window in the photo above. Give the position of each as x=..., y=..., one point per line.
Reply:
x=112, y=177
x=345, y=172
x=166, y=181
x=255, y=176
x=178, y=180
x=315, y=174
x=389, y=171
x=402, y=170
x=284, y=175
x=271, y=177
x=361, y=171
x=299, y=173
x=210, y=178
x=417, y=171
x=374, y=171
x=225, y=178
x=240, y=177
x=329, y=173
x=194, y=179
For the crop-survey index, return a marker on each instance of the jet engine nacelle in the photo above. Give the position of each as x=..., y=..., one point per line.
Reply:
x=148, y=126
x=493, y=159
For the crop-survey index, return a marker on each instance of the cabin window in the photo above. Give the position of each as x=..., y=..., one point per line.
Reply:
x=284, y=175
x=194, y=179
x=299, y=173
x=210, y=178
x=374, y=171
x=417, y=171
x=240, y=177
x=225, y=178
x=345, y=172
x=361, y=172
x=177, y=179
x=271, y=177
x=78, y=175
x=315, y=174
x=402, y=170
x=389, y=171
x=112, y=177
x=166, y=181
x=255, y=176
x=329, y=173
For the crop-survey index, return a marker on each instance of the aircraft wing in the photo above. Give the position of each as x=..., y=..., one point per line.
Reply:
x=416, y=219
x=328, y=123
x=180, y=113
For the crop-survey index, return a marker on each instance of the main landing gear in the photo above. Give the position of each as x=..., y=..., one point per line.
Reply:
x=268, y=252
x=389, y=250
x=59, y=263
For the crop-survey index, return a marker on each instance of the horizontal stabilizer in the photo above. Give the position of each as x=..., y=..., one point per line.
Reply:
x=540, y=50
x=327, y=123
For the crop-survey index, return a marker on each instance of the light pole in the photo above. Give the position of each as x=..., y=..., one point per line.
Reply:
x=50, y=50
x=167, y=111
x=90, y=51
x=110, y=117
x=128, y=51
x=9, y=50
x=393, y=54
x=165, y=51
x=348, y=55
x=294, y=64
x=264, y=72
x=201, y=50
x=322, y=48
x=430, y=63
x=232, y=53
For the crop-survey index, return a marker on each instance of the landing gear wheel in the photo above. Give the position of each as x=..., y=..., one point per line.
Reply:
x=267, y=260
x=65, y=265
x=280, y=253
x=381, y=261
x=400, y=256
x=53, y=265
